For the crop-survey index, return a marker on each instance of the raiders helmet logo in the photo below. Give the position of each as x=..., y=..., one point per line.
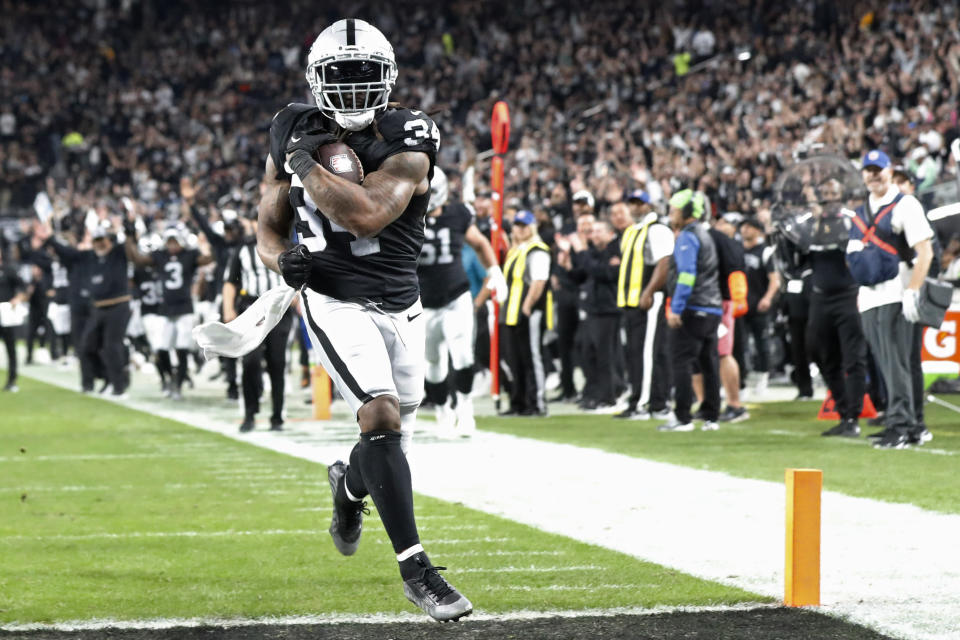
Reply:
x=341, y=163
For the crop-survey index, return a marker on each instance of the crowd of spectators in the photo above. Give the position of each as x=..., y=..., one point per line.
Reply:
x=107, y=98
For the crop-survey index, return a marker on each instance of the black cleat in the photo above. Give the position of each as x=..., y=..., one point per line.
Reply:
x=276, y=424
x=247, y=424
x=347, y=522
x=437, y=597
x=846, y=429
x=920, y=435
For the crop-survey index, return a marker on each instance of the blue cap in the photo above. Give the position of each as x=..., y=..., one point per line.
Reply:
x=638, y=194
x=876, y=158
x=524, y=217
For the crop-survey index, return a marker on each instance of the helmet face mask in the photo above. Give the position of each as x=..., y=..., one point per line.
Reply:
x=351, y=70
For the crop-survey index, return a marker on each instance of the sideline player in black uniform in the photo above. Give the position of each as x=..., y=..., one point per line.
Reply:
x=176, y=266
x=357, y=271
x=447, y=305
x=149, y=286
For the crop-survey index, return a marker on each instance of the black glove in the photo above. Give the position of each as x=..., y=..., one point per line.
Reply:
x=294, y=266
x=301, y=146
x=130, y=228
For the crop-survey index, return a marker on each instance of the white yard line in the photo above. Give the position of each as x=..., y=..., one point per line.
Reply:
x=893, y=567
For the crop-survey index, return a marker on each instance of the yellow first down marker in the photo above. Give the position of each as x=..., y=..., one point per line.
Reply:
x=802, y=570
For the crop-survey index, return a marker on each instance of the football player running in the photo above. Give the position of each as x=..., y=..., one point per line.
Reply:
x=356, y=268
x=447, y=305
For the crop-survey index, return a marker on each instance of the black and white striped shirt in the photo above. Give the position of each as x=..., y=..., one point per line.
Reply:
x=249, y=275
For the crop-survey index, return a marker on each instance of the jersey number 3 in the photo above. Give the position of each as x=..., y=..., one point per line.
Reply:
x=420, y=131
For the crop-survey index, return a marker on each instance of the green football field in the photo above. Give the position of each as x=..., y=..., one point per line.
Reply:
x=107, y=512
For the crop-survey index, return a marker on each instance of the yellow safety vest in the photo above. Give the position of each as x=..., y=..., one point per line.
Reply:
x=513, y=269
x=630, y=283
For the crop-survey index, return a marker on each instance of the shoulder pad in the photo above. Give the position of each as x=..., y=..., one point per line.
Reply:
x=409, y=130
x=280, y=129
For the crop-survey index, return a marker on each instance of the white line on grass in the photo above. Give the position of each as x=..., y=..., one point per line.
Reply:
x=91, y=456
x=372, y=618
x=531, y=569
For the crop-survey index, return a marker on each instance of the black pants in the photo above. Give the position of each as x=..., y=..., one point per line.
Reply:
x=273, y=350
x=758, y=325
x=696, y=342
x=916, y=373
x=103, y=339
x=89, y=363
x=797, y=326
x=481, y=343
x=839, y=348
x=568, y=319
x=10, y=342
x=38, y=319
x=520, y=344
x=601, y=339
x=656, y=368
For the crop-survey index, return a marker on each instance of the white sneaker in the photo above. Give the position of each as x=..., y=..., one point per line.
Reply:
x=760, y=388
x=673, y=425
x=663, y=414
x=466, y=423
x=552, y=382
x=710, y=425
x=446, y=418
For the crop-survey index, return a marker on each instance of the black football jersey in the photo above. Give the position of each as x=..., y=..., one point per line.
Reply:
x=442, y=276
x=382, y=269
x=176, y=272
x=149, y=290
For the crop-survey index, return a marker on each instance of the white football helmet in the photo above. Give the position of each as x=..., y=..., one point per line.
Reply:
x=351, y=70
x=438, y=189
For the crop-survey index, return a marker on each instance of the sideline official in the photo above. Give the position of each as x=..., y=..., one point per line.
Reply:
x=247, y=279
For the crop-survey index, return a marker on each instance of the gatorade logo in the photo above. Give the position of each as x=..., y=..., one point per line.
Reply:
x=941, y=344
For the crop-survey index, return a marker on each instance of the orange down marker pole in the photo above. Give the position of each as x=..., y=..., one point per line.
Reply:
x=321, y=393
x=500, y=138
x=802, y=571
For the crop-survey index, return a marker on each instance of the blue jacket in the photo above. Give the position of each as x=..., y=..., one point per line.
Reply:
x=694, y=272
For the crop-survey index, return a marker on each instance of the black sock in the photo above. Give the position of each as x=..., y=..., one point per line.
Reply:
x=163, y=364
x=463, y=380
x=386, y=475
x=413, y=566
x=182, y=357
x=437, y=392
x=353, y=478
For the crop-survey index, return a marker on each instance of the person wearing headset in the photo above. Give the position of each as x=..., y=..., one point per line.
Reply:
x=693, y=312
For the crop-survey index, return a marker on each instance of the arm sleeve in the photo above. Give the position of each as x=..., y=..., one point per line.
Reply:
x=65, y=252
x=233, y=269
x=214, y=238
x=685, y=254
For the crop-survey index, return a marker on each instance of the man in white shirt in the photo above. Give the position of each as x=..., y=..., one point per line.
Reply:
x=889, y=308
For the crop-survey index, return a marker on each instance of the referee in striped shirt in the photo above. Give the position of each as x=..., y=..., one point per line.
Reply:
x=247, y=279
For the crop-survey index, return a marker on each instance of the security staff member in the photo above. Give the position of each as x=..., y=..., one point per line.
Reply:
x=110, y=297
x=834, y=333
x=694, y=312
x=246, y=280
x=645, y=248
x=526, y=270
